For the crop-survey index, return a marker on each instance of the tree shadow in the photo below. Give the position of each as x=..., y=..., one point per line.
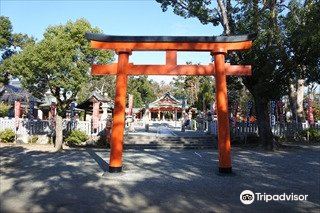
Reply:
x=154, y=181
x=35, y=181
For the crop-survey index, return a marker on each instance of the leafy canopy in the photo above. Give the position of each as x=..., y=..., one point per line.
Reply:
x=301, y=35
x=10, y=43
x=60, y=62
x=142, y=90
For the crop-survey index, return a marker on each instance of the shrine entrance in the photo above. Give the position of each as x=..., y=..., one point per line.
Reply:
x=124, y=45
x=166, y=107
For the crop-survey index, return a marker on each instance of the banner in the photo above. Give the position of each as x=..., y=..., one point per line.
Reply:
x=95, y=115
x=72, y=110
x=17, y=113
x=53, y=110
x=310, y=112
x=272, y=113
x=130, y=104
x=249, y=111
x=31, y=109
x=184, y=103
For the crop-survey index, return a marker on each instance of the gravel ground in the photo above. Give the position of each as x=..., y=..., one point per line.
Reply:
x=34, y=179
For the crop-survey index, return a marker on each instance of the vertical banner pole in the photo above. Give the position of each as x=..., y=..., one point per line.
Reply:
x=17, y=114
x=223, y=116
x=116, y=146
x=95, y=116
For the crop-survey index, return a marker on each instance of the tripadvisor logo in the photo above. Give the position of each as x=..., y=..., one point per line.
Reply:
x=247, y=197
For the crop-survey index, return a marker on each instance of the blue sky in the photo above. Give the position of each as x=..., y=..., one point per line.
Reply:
x=122, y=17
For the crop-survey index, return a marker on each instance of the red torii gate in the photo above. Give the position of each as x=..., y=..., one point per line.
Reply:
x=217, y=46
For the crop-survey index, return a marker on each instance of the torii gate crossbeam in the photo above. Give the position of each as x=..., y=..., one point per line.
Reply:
x=124, y=45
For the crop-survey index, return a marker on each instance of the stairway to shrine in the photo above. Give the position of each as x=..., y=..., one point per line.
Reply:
x=168, y=136
x=169, y=142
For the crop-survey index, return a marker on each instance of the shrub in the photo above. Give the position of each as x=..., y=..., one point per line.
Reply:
x=4, y=109
x=104, y=140
x=7, y=136
x=76, y=137
x=33, y=139
x=313, y=133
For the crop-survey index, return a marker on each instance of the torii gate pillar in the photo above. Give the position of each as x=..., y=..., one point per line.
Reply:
x=224, y=146
x=118, y=125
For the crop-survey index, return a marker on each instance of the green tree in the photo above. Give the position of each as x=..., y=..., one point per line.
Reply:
x=268, y=80
x=301, y=59
x=61, y=63
x=191, y=85
x=198, y=90
x=205, y=93
x=177, y=85
x=161, y=88
x=142, y=90
x=247, y=16
x=105, y=85
x=10, y=43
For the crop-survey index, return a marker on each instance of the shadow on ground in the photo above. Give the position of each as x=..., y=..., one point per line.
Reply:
x=154, y=181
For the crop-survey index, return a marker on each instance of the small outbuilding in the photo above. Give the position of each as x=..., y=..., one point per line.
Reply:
x=102, y=103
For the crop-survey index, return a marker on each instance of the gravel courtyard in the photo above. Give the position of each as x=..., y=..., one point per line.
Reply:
x=155, y=180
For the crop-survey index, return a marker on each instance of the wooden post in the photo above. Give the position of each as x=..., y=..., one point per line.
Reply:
x=116, y=146
x=223, y=117
x=171, y=58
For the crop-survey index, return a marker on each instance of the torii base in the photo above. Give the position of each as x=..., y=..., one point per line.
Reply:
x=115, y=169
x=225, y=170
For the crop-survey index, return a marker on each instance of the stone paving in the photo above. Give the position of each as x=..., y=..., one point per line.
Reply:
x=77, y=180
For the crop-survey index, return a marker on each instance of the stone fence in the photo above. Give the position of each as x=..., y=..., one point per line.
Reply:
x=279, y=129
x=44, y=127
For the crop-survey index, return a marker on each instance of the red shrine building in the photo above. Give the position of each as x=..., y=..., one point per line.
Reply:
x=166, y=107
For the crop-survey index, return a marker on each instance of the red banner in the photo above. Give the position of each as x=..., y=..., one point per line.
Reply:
x=17, y=112
x=310, y=112
x=95, y=115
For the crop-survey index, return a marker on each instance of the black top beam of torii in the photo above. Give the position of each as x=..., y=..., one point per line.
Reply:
x=177, y=39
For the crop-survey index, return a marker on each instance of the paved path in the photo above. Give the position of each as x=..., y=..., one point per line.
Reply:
x=155, y=181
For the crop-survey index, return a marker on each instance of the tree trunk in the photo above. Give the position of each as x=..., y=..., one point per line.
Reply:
x=59, y=134
x=224, y=15
x=263, y=119
x=293, y=102
x=300, y=96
